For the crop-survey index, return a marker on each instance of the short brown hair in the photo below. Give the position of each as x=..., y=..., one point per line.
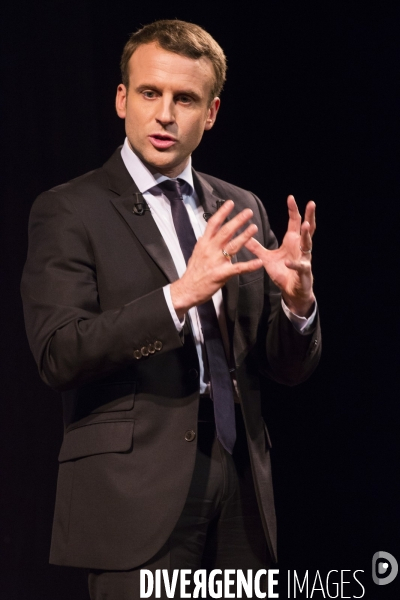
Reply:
x=182, y=38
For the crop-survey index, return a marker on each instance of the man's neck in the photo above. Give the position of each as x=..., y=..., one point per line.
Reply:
x=170, y=172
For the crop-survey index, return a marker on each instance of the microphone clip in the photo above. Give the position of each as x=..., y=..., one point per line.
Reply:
x=208, y=215
x=139, y=204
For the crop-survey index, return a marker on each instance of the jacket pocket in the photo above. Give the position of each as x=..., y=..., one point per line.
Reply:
x=251, y=277
x=98, y=438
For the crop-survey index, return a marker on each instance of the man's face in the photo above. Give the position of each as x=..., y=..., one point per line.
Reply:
x=167, y=107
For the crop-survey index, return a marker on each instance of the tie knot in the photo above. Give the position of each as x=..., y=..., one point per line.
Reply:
x=172, y=189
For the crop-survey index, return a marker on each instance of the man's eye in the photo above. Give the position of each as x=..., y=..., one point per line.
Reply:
x=149, y=94
x=184, y=99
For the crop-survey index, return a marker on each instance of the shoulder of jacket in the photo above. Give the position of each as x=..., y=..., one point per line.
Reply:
x=221, y=185
x=86, y=183
x=93, y=187
x=229, y=191
x=81, y=194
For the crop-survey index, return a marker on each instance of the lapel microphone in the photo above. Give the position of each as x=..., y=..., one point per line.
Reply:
x=207, y=215
x=139, y=204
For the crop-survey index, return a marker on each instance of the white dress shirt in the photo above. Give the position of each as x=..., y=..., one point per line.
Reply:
x=161, y=211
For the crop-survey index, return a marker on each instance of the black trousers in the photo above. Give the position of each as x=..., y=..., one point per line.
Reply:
x=220, y=526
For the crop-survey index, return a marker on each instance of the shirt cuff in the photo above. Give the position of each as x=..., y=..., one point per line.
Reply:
x=178, y=323
x=301, y=324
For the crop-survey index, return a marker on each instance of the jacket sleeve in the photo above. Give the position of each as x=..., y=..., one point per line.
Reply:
x=287, y=356
x=72, y=339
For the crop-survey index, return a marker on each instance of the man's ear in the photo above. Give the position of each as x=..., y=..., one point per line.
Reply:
x=120, y=101
x=212, y=113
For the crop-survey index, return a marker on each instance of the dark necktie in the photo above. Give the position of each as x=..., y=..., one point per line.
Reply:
x=220, y=378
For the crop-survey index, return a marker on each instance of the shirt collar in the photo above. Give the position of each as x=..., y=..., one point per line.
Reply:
x=144, y=179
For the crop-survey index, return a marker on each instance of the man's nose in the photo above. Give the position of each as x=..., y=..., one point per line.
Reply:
x=166, y=111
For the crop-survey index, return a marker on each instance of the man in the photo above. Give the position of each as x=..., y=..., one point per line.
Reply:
x=151, y=301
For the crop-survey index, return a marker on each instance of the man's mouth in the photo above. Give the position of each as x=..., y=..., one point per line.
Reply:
x=162, y=141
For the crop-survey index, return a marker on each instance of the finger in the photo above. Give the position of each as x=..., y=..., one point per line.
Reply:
x=310, y=216
x=256, y=248
x=302, y=267
x=294, y=215
x=246, y=267
x=229, y=269
x=227, y=231
x=239, y=241
x=218, y=218
x=305, y=240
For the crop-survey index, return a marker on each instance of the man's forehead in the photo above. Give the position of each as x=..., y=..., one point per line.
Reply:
x=153, y=60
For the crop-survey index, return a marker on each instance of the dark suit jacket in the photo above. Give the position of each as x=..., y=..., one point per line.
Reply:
x=92, y=292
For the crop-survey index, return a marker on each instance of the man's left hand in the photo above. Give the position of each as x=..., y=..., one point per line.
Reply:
x=289, y=266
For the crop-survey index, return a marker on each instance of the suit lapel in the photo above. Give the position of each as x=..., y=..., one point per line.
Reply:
x=143, y=226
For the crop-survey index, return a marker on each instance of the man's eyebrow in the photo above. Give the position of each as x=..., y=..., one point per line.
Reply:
x=147, y=86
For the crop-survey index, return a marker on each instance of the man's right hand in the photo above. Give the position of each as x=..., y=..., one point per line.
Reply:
x=208, y=269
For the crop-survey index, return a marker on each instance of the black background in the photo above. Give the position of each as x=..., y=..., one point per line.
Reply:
x=310, y=107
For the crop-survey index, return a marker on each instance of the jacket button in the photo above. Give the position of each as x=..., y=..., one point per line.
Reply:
x=158, y=345
x=315, y=342
x=151, y=348
x=190, y=435
x=193, y=373
x=144, y=351
x=137, y=354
